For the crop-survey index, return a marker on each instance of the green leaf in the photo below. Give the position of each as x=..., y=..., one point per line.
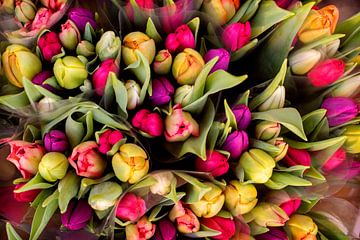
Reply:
x=86, y=183
x=15, y=101
x=53, y=197
x=31, y=133
x=280, y=180
x=89, y=33
x=88, y=120
x=68, y=188
x=74, y=131
x=11, y=233
x=315, y=174
x=152, y=32
x=244, y=50
x=245, y=12
x=306, y=206
x=267, y=147
x=203, y=233
x=318, y=43
x=198, y=188
x=256, y=229
x=316, y=146
x=297, y=170
x=37, y=182
x=327, y=227
x=214, y=133
x=194, y=25
x=115, y=89
x=230, y=117
x=40, y=198
x=349, y=26
x=146, y=182
x=244, y=98
x=315, y=124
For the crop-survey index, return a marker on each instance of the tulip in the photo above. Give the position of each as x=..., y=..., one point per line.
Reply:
x=236, y=143
x=85, y=49
x=41, y=20
x=284, y=201
x=130, y=208
x=163, y=183
x=352, y=142
x=302, y=227
x=319, y=24
x=210, y=204
x=329, y=50
x=326, y=72
x=27, y=196
x=142, y=230
x=56, y=141
x=181, y=39
x=165, y=230
x=26, y=157
x=220, y=11
x=240, y=198
x=69, y=35
x=172, y=15
x=215, y=163
x=223, y=61
x=187, y=66
x=87, y=161
x=257, y=165
x=101, y=74
x=243, y=116
x=185, y=220
x=131, y=163
x=267, y=130
x=162, y=91
x=283, y=148
x=70, y=72
x=340, y=110
x=180, y=125
x=77, y=215
x=349, y=88
x=183, y=94
x=53, y=166
x=236, y=35
x=7, y=6
x=148, y=122
x=269, y=215
x=50, y=46
x=54, y=5
x=138, y=41
x=82, y=16
x=297, y=157
x=25, y=10
x=145, y=6
x=334, y=161
x=133, y=94
x=162, y=62
x=273, y=234
x=225, y=226
x=275, y=101
x=19, y=62
x=108, y=46
x=302, y=62
x=46, y=104
x=108, y=139
x=104, y=195
x=284, y=3
x=40, y=79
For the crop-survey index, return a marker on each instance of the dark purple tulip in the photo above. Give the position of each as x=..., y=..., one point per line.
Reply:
x=340, y=110
x=81, y=16
x=243, y=116
x=56, y=141
x=273, y=234
x=41, y=77
x=162, y=90
x=224, y=59
x=285, y=3
x=236, y=143
x=77, y=215
x=165, y=230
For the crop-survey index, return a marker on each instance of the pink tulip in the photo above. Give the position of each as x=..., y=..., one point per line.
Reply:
x=215, y=163
x=172, y=16
x=334, y=161
x=54, y=5
x=49, y=44
x=185, y=220
x=297, y=157
x=108, y=139
x=287, y=203
x=144, y=5
x=101, y=74
x=130, y=208
x=27, y=196
x=326, y=72
x=236, y=35
x=148, y=122
x=41, y=19
x=181, y=39
x=142, y=230
x=225, y=226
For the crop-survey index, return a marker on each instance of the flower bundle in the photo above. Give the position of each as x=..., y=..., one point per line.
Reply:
x=192, y=119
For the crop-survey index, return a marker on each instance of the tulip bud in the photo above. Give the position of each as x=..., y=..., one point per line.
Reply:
x=236, y=143
x=240, y=198
x=87, y=161
x=19, y=62
x=101, y=75
x=50, y=46
x=77, y=215
x=220, y=11
x=69, y=35
x=302, y=227
x=7, y=6
x=283, y=148
x=142, y=230
x=352, y=142
x=243, y=116
x=70, y=72
x=41, y=20
x=27, y=196
x=104, y=195
x=163, y=183
x=108, y=46
x=26, y=157
x=273, y=234
x=25, y=10
x=148, y=122
x=131, y=163
x=326, y=72
x=108, y=139
x=302, y=62
x=53, y=166
x=162, y=91
x=267, y=130
x=225, y=226
x=165, y=230
x=275, y=101
x=183, y=94
x=269, y=215
x=181, y=39
x=223, y=61
x=46, y=104
x=349, y=88
x=257, y=164
x=329, y=50
x=334, y=161
x=41, y=77
x=187, y=66
x=133, y=94
x=340, y=110
x=130, y=208
x=297, y=157
x=282, y=199
x=56, y=141
x=180, y=125
x=85, y=49
x=54, y=5
x=162, y=62
x=285, y=4
x=185, y=220
x=236, y=35
x=81, y=16
x=138, y=41
x=215, y=163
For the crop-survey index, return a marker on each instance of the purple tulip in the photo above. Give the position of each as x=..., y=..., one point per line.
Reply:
x=224, y=59
x=81, y=16
x=41, y=77
x=340, y=110
x=165, y=230
x=162, y=91
x=243, y=116
x=56, y=141
x=77, y=215
x=273, y=234
x=236, y=143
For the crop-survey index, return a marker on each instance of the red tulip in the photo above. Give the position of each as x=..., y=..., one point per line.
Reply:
x=148, y=122
x=108, y=139
x=49, y=45
x=215, y=163
x=130, y=208
x=181, y=39
x=225, y=226
x=297, y=157
x=326, y=72
x=27, y=196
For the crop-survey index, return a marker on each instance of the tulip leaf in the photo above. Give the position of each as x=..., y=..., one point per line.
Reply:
x=318, y=43
x=214, y=133
x=206, y=232
x=230, y=116
x=86, y=183
x=349, y=25
x=280, y=180
x=138, y=17
x=315, y=174
x=35, y=92
x=245, y=12
x=238, y=54
x=15, y=101
x=102, y=214
x=316, y=125
x=199, y=188
x=172, y=194
x=306, y=206
x=53, y=197
x=297, y=169
x=31, y=133
x=74, y=131
x=89, y=33
x=316, y=146
x=267, y=147
x=153, y=217
x=11, y=233
x=68, y=188
x=146, y=182
x=37, y=182
x=194, y=25
x=329, y=228
x=89, y=123
x=256, y=229
x=40, y=198
x=152, y=32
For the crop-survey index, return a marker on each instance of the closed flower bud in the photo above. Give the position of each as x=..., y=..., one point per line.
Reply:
x=240, y=198
x=284, y=201
x=269, y=215
x=185, y=220
x=225, y=226
x=215, y=163
x=297, y=157
x=26, y=157
x=104, y=195
x=54, y=5
x=101, y=74
x=69, y=35
x=352, y=142
x=340, y=110
x=267, y=130
x=53, y=166
x=326, y=72
x=273, y=234
x=243, y=116
x=236, y=35
x=40, y=79
x=302, y=62
x=70, y=72
x=329, y=50
x=87, y=161
x=162, y=91
x=334, y=161
x=349, y=88
x=142, y=230
x=77, y=215
x=130, y=208
x=181, y=39
x=131, y=163
x=133, y=94
x=108, y=139
x=138, y=41
x=148, y=122
x=257, y=164
x=187, y=66
x=220, y=11
x=180, y=125
x=165, y=230
x=50, y=46
x=27, y=196
x=302, y=227
x=275, y=101
x=162, y=63
x=41, y=20
x=81, y=16
x=183, y=94
x=46, y=104
x=283, y=148
x=19, y=62
x=223, y=61
x=56, y=141
x=25, y=10
x=163, y=183
x=85, y=48
x=108, y=46
x=236, y=143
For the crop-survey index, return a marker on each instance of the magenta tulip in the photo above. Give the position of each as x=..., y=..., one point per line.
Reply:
x=77, y=215
x=223, y=61
x=101, y=74
x=49, y=44
x=236, y=35
x=236, y=143
x=215, y=163
x=181, y=39
x=148, y=122
x=243, y=116
x=326, y=72
x=225, y=226
x=130, y=208
x=108, y=139
x=340, y=110
x=162, y=91
x=273, y=234
x=334, y=161
x=41, y=77
x=56, y=141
